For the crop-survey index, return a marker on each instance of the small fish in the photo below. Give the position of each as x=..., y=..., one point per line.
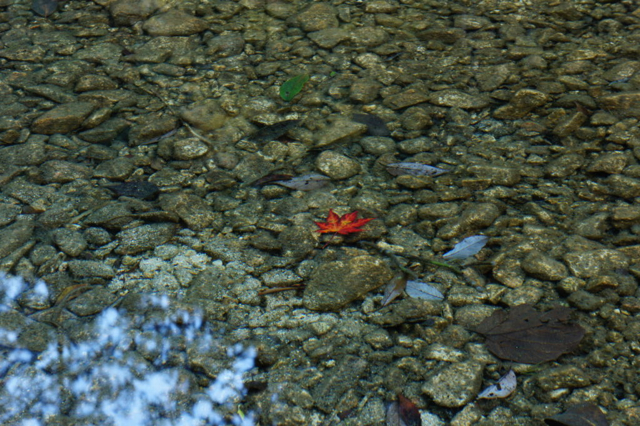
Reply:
x=306, y=182
x=271, y=178
x=136, y=189
x=414, y=169
x=274, y=131
x=505, y=386
x=375, y=125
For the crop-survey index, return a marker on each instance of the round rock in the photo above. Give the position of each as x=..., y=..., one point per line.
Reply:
x=544, y=267
x=174, y=23
x=337, y=166
x=145, y=237
x=336, y=284
x=63, y=118
x=455, y=385
x=190, y=148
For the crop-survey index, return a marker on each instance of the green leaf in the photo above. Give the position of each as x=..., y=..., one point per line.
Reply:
x=293, y=86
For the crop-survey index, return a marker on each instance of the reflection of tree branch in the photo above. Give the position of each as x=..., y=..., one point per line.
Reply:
x=152, y=92
x=279, y=289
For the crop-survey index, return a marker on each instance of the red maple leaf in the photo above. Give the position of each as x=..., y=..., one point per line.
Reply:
x=343, y=225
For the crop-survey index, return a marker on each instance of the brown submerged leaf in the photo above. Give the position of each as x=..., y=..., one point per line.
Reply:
x=528, y=336
x=394, y=288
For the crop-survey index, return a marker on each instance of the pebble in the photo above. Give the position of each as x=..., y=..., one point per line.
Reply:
x=146, y=237
x=417, y=145
x=544, y=267
x=591, y=263
x=193, y=210
x=115, y=169
x=594, y=227
x=364, y=90
x=174, y=22
x=125, y=13
x=624, y=186
x=569, y=124
x=564, y=165
x=455, y=385
x=566, y=376
x=32, y=335
x=317, y=16
x=380, y=6
x=509, y=273
x=337, y=166
x=625, y=216
x=31, y=153
x=458, y=99
x=625, y=102
x=368, y=36
x=90, y=269
x=189, y=149
x=338, y=381
x=71, y=242
x=335, y=284
x=63, y=118
x=611, y=163
x=206, y=115
x=474, y=218
x=280, y=278
x=59, y=171
x=339, y=131
x=15, y=235
x=49, y=91
x=524, y=294
x=91, y=302
x=91, y=82
x=102, y=53
x=522, y=102
x=8, y=213
x=497, y=175
x=377, y=145
x=328, y=38
x=413, y=95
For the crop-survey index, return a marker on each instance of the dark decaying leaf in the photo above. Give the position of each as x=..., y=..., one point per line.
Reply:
x=44, y=7
x=414, y=169
x=375, y=125
x=274, y=131
x=420, y=290
x=394, y=289
x=306, y=182
x=136, y=189
x=585, y=414
x=528, y=336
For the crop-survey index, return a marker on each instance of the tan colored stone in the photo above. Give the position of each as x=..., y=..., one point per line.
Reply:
x=544, y=267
